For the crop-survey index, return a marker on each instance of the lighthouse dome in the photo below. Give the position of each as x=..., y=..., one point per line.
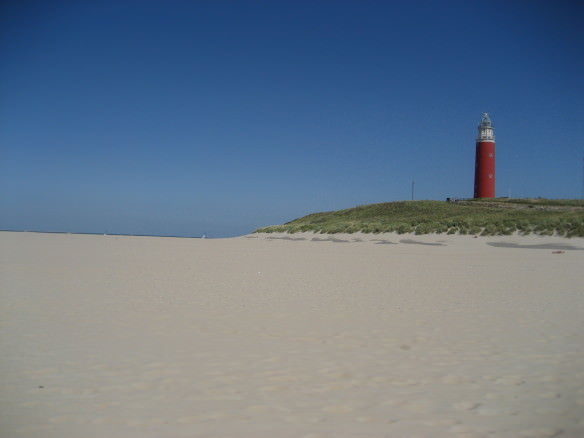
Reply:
x=486, y=121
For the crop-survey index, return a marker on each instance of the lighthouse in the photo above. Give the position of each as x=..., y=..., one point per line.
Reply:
x=484, y=183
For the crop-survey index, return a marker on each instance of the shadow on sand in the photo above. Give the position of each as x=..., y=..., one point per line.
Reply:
x=416, y=242
x=552, y=246
x=317, y=239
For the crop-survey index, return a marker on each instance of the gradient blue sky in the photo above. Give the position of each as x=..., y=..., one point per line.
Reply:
x=219, y=117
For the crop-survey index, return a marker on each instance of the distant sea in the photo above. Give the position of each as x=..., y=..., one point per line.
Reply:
x=107, y=234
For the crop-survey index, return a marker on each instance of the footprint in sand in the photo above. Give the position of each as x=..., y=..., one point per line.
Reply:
x=193, y=419
x=141, y=386
x=540, y=433
x=420, y=406
x=471, y=435
x=29, y=404
x=60, y=419
x=337, y=409
x=135, y=422
x=550, y=411
x=258, y=409
x=465, y=405
x=379, y=379
x=393, y=403
x=315, y=420
x=549, y=379
x=42, y=371
x=549, y=395
x=408, y=382
x=510, y=380
x=453, y=380
x=445, y=422
x=464, y=431
x=273, y=388
x=493, y=412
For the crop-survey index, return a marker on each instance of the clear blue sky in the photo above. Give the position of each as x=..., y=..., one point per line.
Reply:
x=189, y=117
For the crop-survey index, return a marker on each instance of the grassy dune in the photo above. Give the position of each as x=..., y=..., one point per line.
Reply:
x=486, y=217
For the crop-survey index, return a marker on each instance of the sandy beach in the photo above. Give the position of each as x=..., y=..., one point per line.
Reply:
x=291, y=336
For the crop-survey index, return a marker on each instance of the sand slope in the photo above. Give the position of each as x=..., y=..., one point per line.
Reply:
x=291, y=336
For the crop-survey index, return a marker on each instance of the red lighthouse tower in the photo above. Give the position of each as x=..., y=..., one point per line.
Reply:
x=484, y=184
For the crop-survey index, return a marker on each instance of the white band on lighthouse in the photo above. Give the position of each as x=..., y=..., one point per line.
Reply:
x=486, y=129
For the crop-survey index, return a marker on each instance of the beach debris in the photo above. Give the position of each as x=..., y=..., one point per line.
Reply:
x=558, y=252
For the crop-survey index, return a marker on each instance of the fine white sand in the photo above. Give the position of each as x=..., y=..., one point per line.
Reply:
x=291, y=336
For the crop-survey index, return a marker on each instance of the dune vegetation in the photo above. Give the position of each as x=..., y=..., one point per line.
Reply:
x=500, y=216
